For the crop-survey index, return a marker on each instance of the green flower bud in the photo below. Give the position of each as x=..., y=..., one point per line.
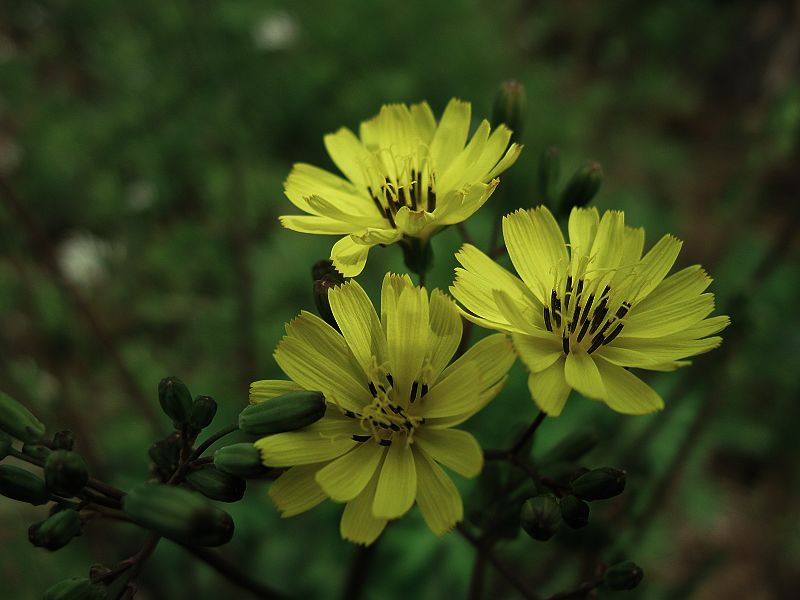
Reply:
x=179, y=514
x=284, y=413
x=63, y=440
x=203, y=411
x=540, y=516
x=510, y=105
x=548, y=173
x=418, y=254
x=22, y=485
x=574, y=446
x=217, y=485
x=18, y=421
x=574, y=511
x=242, y=459
x=583, y=186
x=165, y=455
x=624, y=576
x=38, y=451
x=321, y=287
x=65, y=472
x=324, y=268
x=57, y=531
x=175, y=400
x=5, y=444
x=75, y=589
x=599, y=484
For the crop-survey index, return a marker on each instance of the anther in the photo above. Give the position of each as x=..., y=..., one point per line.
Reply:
x=385, y=442
x=614, y=333
x=597, y=341
x=565, y=344
x=361, y=438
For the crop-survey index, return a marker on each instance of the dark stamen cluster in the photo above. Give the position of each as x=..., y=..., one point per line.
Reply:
x=388, y=203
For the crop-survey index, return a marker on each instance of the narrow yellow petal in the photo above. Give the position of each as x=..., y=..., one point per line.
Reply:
x=549, y=388
x=397, y=483
x=656, y=264
x=667, y=320
x=455, y=449
x=581, y=374
x=316, y=224
x=684, y=284
x=437, y=496
x=346, y=477
x=608, y=242
x=445, y=333
x=451, y=134
x=537, y=351
x=296, y=491
x=491, y=357
x=407, y=338
x=626, y=393
x=267, y=389
x=324, y=440
x=506, y=162
x=307, y=180
x=349, y=256
x=458, y=391
x=358, y=524
x=583, y=224
x=348, y=154
x=359, y=323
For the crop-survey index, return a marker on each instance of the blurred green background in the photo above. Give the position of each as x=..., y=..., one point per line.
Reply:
x=147, y=143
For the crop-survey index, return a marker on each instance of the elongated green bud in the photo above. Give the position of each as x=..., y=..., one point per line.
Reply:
x=242, y=459
x=65, y=472
x=179, y=514
x=510, y=105
x=574, y=511
x=583, y=186
x=75, y=589
x=175, y=400
x=284, y=413
x=18, y=421
x=599, y=484
x=540, y=517
x=5, y=444
x=624, y=576
x=203, y=412
x=38, y=451
x=22, y=485
x=63, y=440
x=547, y=175
x=57, y=531
x=216, y=484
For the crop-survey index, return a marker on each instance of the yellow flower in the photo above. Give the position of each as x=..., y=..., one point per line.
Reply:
x=585, y=311
x=406, y=178
x=392, y=401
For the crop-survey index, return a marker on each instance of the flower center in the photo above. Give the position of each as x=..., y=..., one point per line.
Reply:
x=584, y=318
x=405, y=181
x=387, y=417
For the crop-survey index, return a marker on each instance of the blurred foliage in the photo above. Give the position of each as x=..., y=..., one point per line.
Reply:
x=149, y=141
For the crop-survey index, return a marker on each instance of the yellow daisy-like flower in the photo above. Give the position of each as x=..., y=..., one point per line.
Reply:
x=392, y=402
x=406, y=178
x=585, y=311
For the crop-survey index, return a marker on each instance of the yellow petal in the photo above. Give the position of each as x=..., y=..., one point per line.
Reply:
x=324, y=440
x=536, y=247
x=644, y=352
x=451, y=134
x=462, y=204
x=344, y=478
x=581, y=374
x=492, y=153
x=455, y=449
x=462, y=168
x=583, y=224
x=359, y=324
x=607, y=248
x=296, y=491
x=437, y=497
x=626, y=393
x=307, y=180
x=424, y=121
x=358, y=524
x=686, y=283
x=315, y=224
x=458, y=391
x=667, y=320
x=445, y=332
x=656, y=264
x=397, y=483
x=266, y=389
x=491, y=357
x=349, y=256
x=349, y=154
x=537, y=351
x=506, y=162
x=549, y=388
x=407, y=338
x=413, y=222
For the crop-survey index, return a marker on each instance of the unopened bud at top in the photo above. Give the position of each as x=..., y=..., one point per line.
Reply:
x=203, y=412
x=583, y=186
x=18, y=421
x=510, y=105
x=242, y=459
x=283, y=413
x=599, y=484
x=65, y=472
x=175, y=400
x=63, y=440
x=624, y=576
x=574, y=511
x=540, y=516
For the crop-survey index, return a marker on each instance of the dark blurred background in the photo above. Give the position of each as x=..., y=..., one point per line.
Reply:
x=143, y=148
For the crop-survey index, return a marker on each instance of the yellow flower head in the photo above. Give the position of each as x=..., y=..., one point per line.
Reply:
x=406, y=177
x=585, y=311
x=392, y=400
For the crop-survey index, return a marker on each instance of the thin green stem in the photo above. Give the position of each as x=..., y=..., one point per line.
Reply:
x=198, y=452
